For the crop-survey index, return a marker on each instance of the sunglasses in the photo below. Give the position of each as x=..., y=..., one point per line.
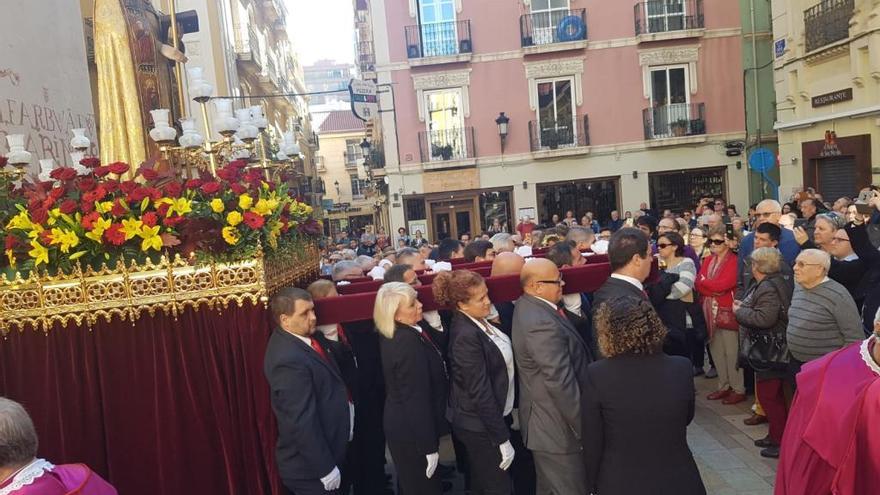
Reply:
x=717, y=242
x=661, y=245
x=554, y=282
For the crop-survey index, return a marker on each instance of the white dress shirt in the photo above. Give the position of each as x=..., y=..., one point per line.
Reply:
x=629, y=279
x=501, y=341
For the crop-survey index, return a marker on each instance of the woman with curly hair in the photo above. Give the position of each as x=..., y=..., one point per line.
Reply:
x=481, y=388
x=639, y=402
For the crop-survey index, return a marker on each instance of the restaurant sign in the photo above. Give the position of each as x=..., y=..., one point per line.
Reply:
x=833, y=97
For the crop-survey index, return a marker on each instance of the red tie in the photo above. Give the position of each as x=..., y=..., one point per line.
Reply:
x=342, y=337
x=561, y=312
x=320, y=350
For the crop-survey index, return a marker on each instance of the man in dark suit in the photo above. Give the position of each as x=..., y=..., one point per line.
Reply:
x=629, y=254
x=312, y=405
x=552, y=361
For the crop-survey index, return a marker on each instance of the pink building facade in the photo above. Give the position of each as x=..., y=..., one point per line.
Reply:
x=609, y=104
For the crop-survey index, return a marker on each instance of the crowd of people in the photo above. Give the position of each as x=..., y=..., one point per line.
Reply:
x=566, y=392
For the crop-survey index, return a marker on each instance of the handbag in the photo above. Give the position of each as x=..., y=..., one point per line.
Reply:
x=765, y=351
x=724, y=318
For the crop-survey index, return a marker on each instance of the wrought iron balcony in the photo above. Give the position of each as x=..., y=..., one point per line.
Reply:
x=441, y=39
x=663, y=16
x=247, y=46
x=571, y=133
x=446, y=144
x=827, y=22
x=674, y=120
x=556, y=26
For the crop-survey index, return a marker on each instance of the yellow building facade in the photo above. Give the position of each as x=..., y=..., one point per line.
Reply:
x=827, y=78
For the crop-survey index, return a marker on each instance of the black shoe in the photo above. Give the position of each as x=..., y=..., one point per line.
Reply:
x=699, y=371
x=765, y=443
x=772, y=452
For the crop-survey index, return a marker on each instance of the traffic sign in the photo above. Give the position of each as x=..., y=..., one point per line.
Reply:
x=364, y=102
x=762, y=160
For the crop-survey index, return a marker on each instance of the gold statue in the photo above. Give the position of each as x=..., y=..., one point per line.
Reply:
x=135, y=75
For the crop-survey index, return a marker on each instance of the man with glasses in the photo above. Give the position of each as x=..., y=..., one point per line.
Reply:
x=823, y=317
x=767, y=211
x=545, y=345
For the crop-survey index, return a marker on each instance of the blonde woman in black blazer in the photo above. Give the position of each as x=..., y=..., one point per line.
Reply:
x=481, y=389
x=415, y=389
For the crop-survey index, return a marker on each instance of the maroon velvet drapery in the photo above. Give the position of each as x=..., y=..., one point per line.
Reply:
x=161, y=406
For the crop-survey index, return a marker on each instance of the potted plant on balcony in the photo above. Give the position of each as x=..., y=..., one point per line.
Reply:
x=444, y=151
x=679, y=127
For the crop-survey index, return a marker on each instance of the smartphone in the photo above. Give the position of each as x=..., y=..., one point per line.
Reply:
x=728, y=227
x=864, y=209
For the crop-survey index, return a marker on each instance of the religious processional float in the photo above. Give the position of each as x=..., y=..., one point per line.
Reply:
x=107, y=240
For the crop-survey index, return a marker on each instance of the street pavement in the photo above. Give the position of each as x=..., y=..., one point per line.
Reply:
x=723, y=447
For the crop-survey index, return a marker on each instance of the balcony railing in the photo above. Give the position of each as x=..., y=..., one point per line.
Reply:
x=555, y=26
x=441, y=39
x=662, y=16
x=674, y=120
x=570, y=133
x=827, y=22
x=446, y=144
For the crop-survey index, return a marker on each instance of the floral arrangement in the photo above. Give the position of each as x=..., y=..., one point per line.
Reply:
x=112, y=213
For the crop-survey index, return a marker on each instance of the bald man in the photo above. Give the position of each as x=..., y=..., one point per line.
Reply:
x=552, y=361
x=507, y=263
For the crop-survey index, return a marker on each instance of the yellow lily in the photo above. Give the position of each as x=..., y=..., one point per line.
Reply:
x=21, y=221
x=39, y=253
x=151, y=238
x=98, y=229
x=131, y=227
x=66, y=238
x=182, y=206
x=262, y=207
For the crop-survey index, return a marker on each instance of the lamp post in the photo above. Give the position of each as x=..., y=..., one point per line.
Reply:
x=503, y=122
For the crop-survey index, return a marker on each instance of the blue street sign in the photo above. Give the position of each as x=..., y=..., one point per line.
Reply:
x=762, y=160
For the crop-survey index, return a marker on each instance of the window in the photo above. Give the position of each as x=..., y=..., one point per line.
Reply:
x=546, y=15
x=665, y=15
x=353, y=152
x=556, y=122
x=445, y=124
x=358, y=186
x=669, y=99
x=438, y=29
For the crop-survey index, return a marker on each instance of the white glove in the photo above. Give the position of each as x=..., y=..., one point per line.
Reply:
x=333, y=480
x=351, y=421
x=507, y=454
x=433, y=459
x=515, y=415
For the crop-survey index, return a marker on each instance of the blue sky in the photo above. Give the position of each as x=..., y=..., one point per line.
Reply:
x=321, y=29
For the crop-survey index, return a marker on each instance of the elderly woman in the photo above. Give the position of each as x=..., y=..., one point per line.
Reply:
x=630, y=448
x=415, y=389
x=482, y=386
x=697, y=240
x=763, y=317
x=823, y=235
x=22, y=473
x=716, y=282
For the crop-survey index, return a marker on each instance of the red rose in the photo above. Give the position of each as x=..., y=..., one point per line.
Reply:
x=89, y=219
x=162, y=210
x=173, y=189
x=149, y=174
x=172, y=221
x=11, y=242
x=212, y=187
x=237, y=188
x=153, y=193
x=56, y=193
x=194, y=184
x=86, y=184
x=63, y=173
x=114, y=234
x=69, y=206
x=228, y=174
x=90, y=162
x=39, y=215
x=128, y=186
x=102, y=171
x=117, y=210
x=253, y=176
x=110, y=186
x=118, y=168
x=253, y=220
x=149, y=218
x=137, y=195
x=87, y=207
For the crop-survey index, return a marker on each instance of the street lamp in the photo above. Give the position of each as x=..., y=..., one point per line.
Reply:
x=502, y=122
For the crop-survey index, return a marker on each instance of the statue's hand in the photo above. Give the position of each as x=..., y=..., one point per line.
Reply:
x=174, y=54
